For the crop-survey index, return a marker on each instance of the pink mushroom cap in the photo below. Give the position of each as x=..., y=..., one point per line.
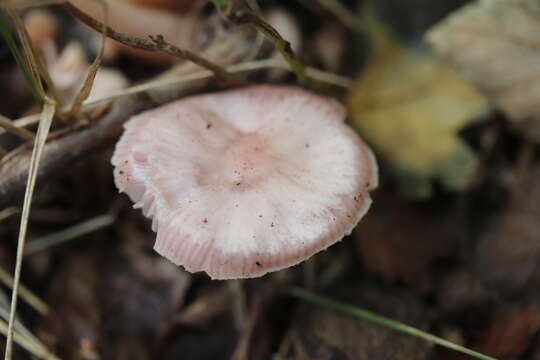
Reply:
x=244, y=182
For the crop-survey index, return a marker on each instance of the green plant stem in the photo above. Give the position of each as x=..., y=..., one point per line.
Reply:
x=384, y=321
x=6, y=35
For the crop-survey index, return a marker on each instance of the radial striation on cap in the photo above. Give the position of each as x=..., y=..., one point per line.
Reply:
x=244, y=182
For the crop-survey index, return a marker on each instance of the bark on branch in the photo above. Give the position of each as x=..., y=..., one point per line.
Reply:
x=63, y=150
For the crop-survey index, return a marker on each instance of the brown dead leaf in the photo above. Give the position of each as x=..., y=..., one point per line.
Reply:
x=72, y=326
x=401, y=240
x=508, y=255
x=510, y=333
x=496, y=45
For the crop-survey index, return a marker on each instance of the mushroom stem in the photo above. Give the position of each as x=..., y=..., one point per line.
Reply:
x=310, y=273
x=239, y=303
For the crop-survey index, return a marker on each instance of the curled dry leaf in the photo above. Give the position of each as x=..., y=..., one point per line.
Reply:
x=391, y=242
x=410, y=107
x=70, y=67
x=496, y=45
x=508, y=254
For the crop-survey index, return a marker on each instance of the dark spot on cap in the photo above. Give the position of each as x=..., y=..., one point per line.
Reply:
x=307, y=146
x=209, y=125
x=356, y=198
x=238, y=184
x=272, y=224
x=121, y=172
x=205, y=221
x=258, y=263
x=260, y=216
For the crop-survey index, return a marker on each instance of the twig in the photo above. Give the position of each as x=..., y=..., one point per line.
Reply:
x=238, y=12
x=145, y=44
x=49, y=108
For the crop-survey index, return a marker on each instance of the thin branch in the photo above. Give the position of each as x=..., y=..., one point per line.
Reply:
x=238, y=12
x=157, y=43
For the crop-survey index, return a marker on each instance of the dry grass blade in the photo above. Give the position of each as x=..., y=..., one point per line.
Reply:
x=45, y=122
x=316, y=74
x=28, y=344
x=8, y=125
x=92, y=71
x=28, y=296
x=7, y=212
x=37, y=347
x=21, y=62
x=94, y=224
x=26, y=45
x=33, y=58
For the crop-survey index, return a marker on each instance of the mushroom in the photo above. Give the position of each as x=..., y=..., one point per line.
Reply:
x=248, y=181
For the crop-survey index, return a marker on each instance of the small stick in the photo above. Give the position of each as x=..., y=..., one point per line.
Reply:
x=238, y=12
x=157, y=43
